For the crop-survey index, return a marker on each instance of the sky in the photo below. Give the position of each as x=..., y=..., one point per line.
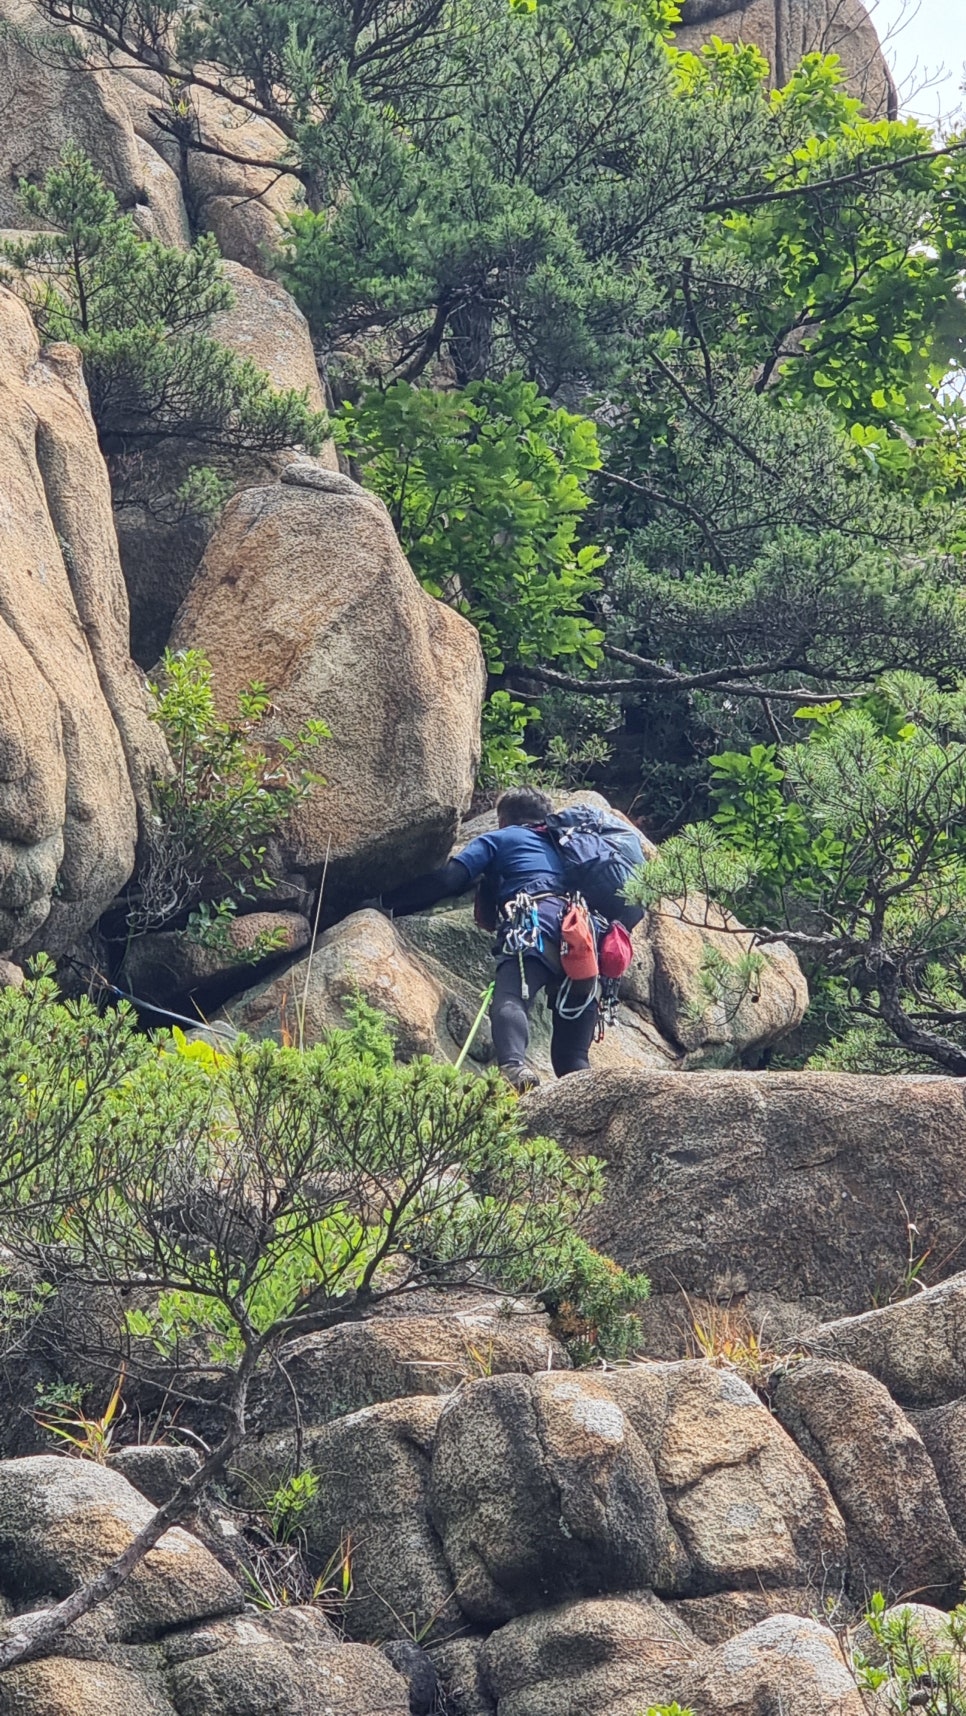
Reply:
x=925, y=43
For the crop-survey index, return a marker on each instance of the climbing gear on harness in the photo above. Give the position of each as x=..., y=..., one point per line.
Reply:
x=616, y=952
x=569, y=1007
x=520, y=932
x=477, y=1022
x=578, y=943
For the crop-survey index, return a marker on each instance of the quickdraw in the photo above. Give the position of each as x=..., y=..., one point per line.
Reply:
x=520, y=932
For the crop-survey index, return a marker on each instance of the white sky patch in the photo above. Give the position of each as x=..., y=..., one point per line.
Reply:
x=925, y=44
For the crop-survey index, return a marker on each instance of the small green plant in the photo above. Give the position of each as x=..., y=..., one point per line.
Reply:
x=918, y=1667
x=593, y=1303
x=88, y=1438
x=572, y=764
x=287, y=1504
x=225, y=797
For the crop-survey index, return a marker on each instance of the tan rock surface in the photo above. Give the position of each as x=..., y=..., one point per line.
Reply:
x=77, y=750
x=357, y=1364
x=608, y=1657
x=901, y=1539
x=64, y=1686
x=749, y=1013
x=305, y=588
x=788, y=1184
x=751, y=1512
x=266, y=325
x=784, y=1664
x=943, y=1430
x=541, y=1490
x=62, y=1520
x=50, y=100
x=784, y=30
x=244, y=206
x=916, y=1348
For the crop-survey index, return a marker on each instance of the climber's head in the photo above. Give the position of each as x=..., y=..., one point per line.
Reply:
x=522, y=805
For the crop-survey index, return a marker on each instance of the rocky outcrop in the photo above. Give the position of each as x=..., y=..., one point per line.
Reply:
x=161, y=547
x=900, y=1535
x=77, y=751
x=789, y=1185
x=305, y=588
x=355, y=1365
x=785, y=30
x=49, y=100
x=785, y=1664
x=916, y=1348
x=718, y=1015
x=613, y=1655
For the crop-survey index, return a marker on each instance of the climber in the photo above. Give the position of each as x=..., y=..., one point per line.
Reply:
x=518, y=858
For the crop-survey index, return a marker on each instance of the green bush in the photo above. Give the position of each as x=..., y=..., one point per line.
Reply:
x=487, y=488
x=223, y=800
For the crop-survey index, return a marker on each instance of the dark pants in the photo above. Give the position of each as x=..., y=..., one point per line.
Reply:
x=510, y=1017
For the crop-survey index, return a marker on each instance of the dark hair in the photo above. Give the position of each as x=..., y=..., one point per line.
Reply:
x=521, y=805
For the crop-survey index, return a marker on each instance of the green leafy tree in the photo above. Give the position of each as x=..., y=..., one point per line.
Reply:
x=140, y=312
x=259, y=1194
x=849, y=846
x=487, y=488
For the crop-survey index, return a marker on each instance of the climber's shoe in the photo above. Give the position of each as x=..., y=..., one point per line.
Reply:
x=519, y=1077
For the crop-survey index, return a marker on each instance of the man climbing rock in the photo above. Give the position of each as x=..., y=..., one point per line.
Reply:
x=524, y=879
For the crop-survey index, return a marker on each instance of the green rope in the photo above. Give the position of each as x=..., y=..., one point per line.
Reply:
x=477, y=1022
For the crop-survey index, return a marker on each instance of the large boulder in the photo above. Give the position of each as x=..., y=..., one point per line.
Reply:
x=162, y=546
x=67, y=1686
x=284, y=1664
x=541, y=1490
x=304, y=588
x=785, y=1665
x=785, y=30
x=63, y=1520
x=790, y=1184
x=77, y=750
x=916, y=1348
x=711, y=1014
x=606, y=1657
x=354, y=1365
x=900, y=1535
x=751, y=1512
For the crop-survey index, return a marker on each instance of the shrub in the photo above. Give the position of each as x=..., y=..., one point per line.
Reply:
x=225, y=797
x=261, y=1193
